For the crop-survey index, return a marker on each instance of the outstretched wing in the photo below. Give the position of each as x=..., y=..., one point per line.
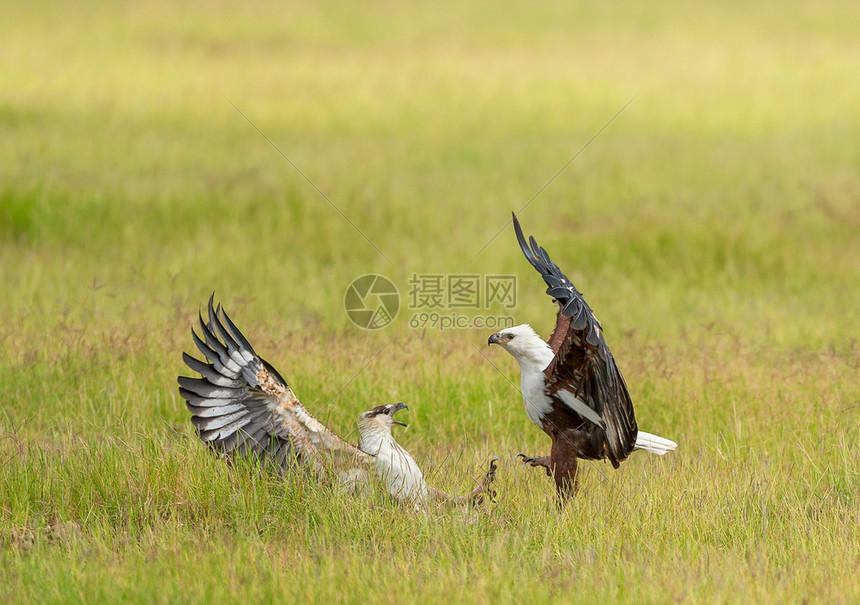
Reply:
x=583, y=374
x=240, y=404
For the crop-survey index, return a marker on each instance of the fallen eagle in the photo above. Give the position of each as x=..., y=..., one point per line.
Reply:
x=241, y=406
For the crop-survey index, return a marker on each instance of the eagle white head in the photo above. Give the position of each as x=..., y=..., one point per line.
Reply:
x=380, y=419
x=524, y=344
x=397, y=469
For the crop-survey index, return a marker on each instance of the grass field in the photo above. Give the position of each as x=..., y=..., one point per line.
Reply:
x=713, y=227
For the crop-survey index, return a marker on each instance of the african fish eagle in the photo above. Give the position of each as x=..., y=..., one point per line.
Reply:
x=571, y=386
x=240, y=405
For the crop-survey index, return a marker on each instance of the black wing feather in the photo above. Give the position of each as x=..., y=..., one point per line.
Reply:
x=237, y=414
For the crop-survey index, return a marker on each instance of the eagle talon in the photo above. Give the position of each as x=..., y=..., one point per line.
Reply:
x=491, y=476
x=526, y=459
x=485, y=488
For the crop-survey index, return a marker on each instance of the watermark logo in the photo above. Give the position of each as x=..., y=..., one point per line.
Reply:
x=371, y=301
x=439, y=301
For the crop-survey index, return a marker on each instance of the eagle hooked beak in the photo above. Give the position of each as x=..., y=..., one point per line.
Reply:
x=494, y=339
x=396, y=408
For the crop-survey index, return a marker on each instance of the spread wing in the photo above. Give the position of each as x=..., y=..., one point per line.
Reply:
x=240, y=405
x=583, y=374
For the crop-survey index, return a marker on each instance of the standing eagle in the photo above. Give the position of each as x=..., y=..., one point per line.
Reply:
x=241, y=406
x=571, y=387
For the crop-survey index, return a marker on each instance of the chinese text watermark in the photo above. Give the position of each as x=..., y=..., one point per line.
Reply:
x=441, y=301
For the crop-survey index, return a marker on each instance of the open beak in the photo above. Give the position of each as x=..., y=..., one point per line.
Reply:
x=494, y=339
x=396, y=408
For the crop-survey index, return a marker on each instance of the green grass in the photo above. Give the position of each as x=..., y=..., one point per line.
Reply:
x=713, y=227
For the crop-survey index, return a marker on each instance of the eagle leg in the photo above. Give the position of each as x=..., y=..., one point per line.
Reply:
x=543, y=461
x=563, y=466
x=566, y=480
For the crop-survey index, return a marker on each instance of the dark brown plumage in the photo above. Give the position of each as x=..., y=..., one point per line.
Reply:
x=571, y=385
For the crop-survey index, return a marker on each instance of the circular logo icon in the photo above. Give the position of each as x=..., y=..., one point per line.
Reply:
x=371, y=301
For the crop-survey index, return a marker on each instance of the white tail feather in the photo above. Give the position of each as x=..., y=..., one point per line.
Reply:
x=654, y=443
